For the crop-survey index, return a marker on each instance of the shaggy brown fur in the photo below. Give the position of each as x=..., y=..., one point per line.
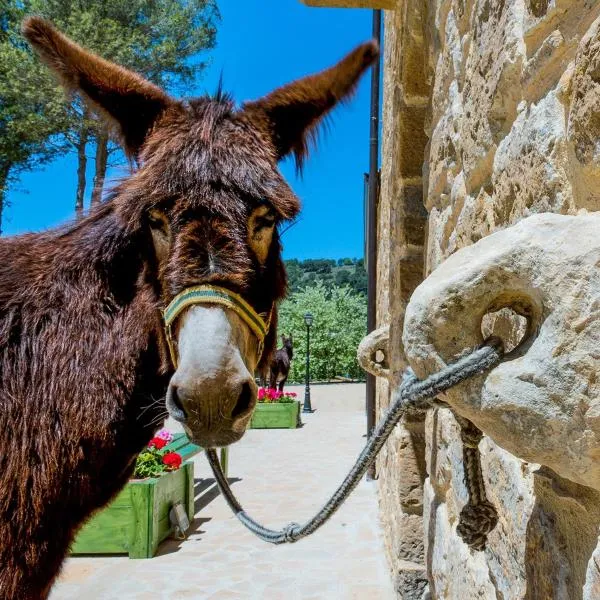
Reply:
x=280, y=363
x=83, y=362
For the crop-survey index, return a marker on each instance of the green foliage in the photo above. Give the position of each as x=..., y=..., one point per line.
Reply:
x=343, y=272
x=32, y=110
x=340, y=322
x=161, y=39
x=156, y=38
x=286, y=399
x=149, y=463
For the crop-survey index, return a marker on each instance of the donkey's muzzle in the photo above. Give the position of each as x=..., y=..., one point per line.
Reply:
x=213, y=415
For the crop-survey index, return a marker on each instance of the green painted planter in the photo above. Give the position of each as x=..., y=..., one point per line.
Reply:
x=276, y=415
x=138, y=518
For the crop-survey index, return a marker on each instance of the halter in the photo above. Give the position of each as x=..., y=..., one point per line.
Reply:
x=212, y=294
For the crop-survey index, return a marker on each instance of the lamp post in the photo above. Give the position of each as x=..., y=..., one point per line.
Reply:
x=307, y=408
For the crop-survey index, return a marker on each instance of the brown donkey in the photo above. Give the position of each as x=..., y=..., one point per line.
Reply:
x=279, y=369
x=85, y=368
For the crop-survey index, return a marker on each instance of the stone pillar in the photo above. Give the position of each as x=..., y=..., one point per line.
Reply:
x=402, y=221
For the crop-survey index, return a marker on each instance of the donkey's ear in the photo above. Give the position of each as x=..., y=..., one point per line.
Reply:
x=130, y=102
x=291, y=114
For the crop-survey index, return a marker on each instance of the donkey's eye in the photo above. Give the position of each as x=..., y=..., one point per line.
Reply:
x=157, y=220
x=261, y=222
x=260, y=231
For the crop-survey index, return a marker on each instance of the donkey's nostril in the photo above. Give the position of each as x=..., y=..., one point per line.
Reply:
x=174, y=404
x=244, y=401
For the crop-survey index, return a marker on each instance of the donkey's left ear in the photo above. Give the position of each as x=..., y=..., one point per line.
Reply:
x=129, y=101
x=291, y=114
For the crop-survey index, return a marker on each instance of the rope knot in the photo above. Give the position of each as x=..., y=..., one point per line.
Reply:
x=475, y=522
x=469, y=434
x=290, y=533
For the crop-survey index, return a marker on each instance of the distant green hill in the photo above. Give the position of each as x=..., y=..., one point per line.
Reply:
x=342, y=272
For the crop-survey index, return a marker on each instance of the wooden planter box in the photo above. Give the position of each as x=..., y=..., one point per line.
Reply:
x=276, y=415
x=138, y=518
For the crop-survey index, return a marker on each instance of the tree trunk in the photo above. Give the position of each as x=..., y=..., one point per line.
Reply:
x=101, y=159
x=81, y=166
x=4, y=171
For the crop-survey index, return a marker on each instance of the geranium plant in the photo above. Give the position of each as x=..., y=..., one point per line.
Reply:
x=273, y=395
x=154, y=460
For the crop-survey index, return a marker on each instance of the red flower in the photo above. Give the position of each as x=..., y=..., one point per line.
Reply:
x=158, y=443
x=172, y=460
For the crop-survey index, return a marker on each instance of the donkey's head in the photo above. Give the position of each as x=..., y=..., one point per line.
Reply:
x=209, y=196
x=287, y=343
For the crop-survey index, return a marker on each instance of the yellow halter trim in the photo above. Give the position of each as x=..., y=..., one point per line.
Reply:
x=212, y=294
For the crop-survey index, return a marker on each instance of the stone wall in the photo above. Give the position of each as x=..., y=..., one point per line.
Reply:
x=401, y=238
x=491, y=113
x=513, y=127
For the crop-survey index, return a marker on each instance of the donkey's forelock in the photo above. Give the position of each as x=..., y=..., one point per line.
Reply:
x=211, y=154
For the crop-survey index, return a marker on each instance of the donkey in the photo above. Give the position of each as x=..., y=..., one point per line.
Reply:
x=89, y=368
x=280, y=363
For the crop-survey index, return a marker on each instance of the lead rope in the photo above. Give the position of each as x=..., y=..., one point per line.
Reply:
x=413, y=394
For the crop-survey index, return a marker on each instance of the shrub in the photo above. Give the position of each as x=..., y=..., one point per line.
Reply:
x=340, y=323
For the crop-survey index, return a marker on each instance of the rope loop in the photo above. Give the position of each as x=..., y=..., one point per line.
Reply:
x=291, y=532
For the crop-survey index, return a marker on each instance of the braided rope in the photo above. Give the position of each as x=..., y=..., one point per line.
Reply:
x=412, y=393
x=478, y=517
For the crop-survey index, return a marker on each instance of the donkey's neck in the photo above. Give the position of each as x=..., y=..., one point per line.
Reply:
x=95, y=255
x=81, y=377
x=79, y=307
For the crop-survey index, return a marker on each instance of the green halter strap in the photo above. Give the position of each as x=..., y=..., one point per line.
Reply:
x=212, y=294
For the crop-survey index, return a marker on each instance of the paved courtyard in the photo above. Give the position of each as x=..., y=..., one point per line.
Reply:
x=280, y=476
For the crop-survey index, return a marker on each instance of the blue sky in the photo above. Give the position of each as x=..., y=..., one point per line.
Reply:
x=261, y=45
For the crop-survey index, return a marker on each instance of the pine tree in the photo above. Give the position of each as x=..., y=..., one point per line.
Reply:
x=164, y=40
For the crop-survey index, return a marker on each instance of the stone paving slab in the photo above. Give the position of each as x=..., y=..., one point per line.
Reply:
x=279, y=476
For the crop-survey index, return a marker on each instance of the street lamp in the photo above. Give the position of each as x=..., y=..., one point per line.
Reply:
x=307, y=408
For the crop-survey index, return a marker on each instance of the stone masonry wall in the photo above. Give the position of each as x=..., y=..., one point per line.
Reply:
x=491, y=113
x=401, y=239
x=514, y=128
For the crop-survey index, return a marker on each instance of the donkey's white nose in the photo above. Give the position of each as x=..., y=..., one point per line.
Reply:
x=215, y=415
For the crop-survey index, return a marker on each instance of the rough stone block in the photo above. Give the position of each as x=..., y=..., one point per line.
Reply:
x=532, y=164
x=584, y=117
x=410, y=581
x=491, y=87
x=542, y=405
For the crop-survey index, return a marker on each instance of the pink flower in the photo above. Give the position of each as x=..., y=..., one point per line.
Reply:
x=261, y=393
x=164, y=434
